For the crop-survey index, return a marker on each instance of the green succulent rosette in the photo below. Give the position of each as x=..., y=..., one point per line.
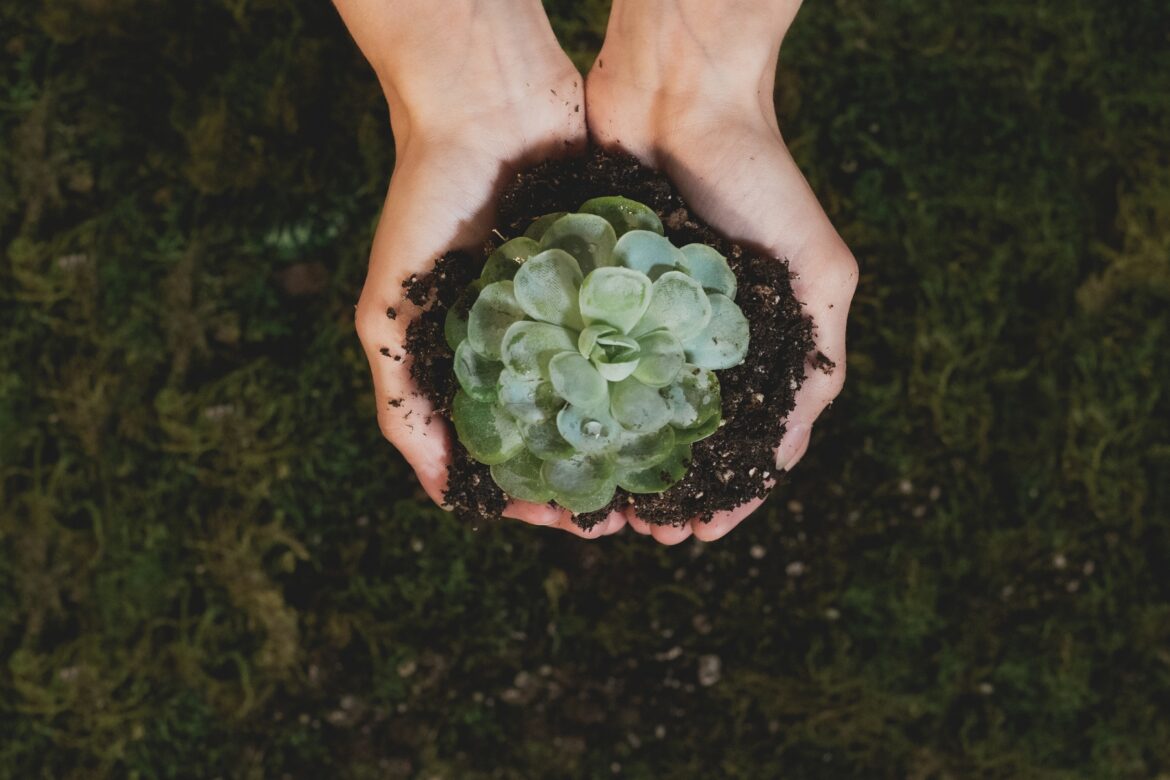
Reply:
x=587, y=360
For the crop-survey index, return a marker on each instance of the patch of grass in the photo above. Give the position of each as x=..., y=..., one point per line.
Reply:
x=212, y=565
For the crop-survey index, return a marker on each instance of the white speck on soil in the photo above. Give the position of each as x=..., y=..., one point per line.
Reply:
x=795, y=569
x=757, y=551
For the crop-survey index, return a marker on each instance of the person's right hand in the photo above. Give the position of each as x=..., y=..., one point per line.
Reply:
x=475, y=92
x=686, y=86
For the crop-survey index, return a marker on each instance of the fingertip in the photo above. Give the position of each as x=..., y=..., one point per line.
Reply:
x=637, y=523
x=724, y=523
x=671, y=534
x=534, y=514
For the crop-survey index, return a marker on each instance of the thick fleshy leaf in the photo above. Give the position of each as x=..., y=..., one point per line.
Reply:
x=503, y=263
x=493, y=312
x=587, y=237
x=699, y=432
x=709, y=268
x=588, y=430
x=678, y=304
x=520, y=478
x=615, y=296
x=723, y=343
x=615, y=355
x=489, y=435
x=588, y=338
x=577, y=381
x=646, y=252
x=529, y=346
x=538, y=227
x=694, y=398
x=544, y=440
x=658, y=477
x=660, y=358
x=639, y=450
x=455, y=325
x=477, y=375
x=624, y=214
x=616, y=372
x=547, y=287
x=637, y=407
x=528, y=397
x=582, y=483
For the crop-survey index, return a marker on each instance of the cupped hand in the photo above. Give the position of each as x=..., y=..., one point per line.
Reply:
x=724, y=151
x=441, y=197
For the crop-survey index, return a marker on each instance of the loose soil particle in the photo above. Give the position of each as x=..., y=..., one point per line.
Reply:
x=733, y=465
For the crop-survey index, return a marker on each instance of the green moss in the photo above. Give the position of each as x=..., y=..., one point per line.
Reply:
x=212, y=565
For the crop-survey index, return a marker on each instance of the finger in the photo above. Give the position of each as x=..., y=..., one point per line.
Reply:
x=637, y=523
x=792, y=448
x=615, y=522
x=536, y=514
x=671, y=534
x=566, y=524
x=724, y=522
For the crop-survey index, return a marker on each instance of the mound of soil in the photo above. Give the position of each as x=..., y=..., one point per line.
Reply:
x=729, y=468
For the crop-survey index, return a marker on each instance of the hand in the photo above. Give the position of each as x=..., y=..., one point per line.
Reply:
x=465, y=112
x=686, y=86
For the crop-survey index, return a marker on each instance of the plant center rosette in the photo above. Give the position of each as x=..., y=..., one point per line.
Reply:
x=588, y=357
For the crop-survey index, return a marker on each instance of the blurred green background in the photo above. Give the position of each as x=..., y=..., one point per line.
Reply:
x=211, y=565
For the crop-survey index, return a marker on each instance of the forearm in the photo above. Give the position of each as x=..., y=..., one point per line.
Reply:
x=439, y=59
x=724, y=48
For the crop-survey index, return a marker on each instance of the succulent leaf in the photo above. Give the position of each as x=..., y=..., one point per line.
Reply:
x=615, y=296
x=660, y=358
x=582, y=483
x=503, y=263
x=455, y=323
x=588, y=430
x=623, y=214
x=544, y=440
x=644, y=449
x=693, y=397
x=587, y=357
x=709, y=268
x=520, y=478
x=637, y=407
x=646, y=252
x=529, y=346
x=659, y=476
x=494, y=311
x=486, y=431
x=477, y=375
x=576, y=380
x=527, y=398
x=723, y=342
x=587, y=237
x=678, y=304
x=538, y=227
x=547, y=287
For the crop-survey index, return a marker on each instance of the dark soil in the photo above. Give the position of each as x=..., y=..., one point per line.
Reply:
x=729, y=468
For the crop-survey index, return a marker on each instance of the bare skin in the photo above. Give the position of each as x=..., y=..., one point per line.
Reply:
x=686, y=86
x=464, y=112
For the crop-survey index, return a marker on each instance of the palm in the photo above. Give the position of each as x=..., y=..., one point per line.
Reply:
x=734, y=170
x=441, y=197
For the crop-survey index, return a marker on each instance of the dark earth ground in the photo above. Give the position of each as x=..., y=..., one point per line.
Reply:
x=211, y=565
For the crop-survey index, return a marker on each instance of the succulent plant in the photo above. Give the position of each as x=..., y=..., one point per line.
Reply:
x=587, y=360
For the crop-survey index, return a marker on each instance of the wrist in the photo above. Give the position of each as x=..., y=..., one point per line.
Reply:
x=724, y=52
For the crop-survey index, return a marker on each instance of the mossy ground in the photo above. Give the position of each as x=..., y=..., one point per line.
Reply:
x=211, y=565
